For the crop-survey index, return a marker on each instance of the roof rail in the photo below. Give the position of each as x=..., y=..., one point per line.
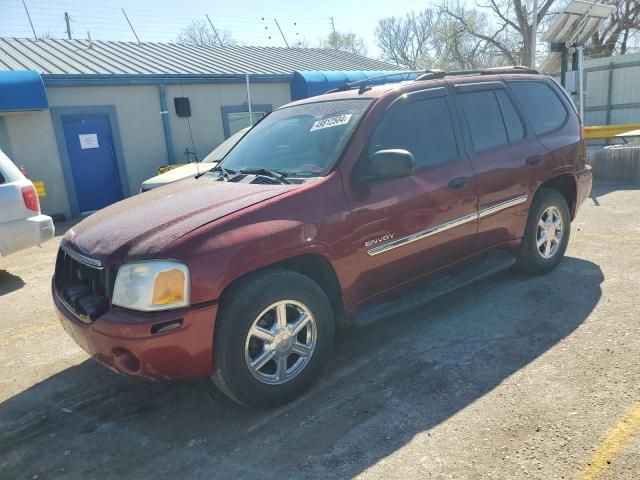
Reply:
x=363, y=83
x=433, y=74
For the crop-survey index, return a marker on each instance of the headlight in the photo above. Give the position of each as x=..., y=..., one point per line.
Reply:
x=152, y=285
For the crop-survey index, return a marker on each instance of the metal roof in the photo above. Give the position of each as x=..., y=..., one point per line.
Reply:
x=81, y=57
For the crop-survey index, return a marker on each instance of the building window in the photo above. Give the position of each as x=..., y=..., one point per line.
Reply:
x=236, y=117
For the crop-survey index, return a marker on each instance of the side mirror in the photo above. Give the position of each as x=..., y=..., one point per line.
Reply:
x=390, y=163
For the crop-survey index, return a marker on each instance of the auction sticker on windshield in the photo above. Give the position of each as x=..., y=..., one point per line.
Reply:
x=331, y=122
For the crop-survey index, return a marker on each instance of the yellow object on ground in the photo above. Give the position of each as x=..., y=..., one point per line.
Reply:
x=608, y=131
x=39, y=184
x=166, y=168
x=613, y=444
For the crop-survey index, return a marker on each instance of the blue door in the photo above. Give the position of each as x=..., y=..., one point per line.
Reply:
x=93, y=162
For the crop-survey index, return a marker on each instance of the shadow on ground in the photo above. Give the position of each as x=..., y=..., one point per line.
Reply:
x=384, y=385
x=9, y=282
x=602, y=189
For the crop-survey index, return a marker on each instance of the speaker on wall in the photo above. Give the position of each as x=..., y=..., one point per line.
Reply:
x=183, y=107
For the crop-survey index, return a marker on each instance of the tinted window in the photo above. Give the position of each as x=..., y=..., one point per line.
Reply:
x=515, y=130
x=422, y=127
x=541, y=105
x=484, y=119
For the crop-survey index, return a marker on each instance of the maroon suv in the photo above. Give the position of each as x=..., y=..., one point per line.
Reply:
x=334, y=210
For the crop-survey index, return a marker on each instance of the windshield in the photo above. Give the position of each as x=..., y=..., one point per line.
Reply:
x=221, y=150
x=303, y=140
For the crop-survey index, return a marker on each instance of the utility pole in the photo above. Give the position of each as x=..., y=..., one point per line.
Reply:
x=283, y=37
x=215, y=32
x=67, y=21
x=534, y=31
x=132, y=29
x=30, y=22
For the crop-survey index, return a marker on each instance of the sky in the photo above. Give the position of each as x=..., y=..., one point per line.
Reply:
x=250, y=22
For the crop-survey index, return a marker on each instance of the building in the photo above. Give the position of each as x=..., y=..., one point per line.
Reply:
x=92, y=120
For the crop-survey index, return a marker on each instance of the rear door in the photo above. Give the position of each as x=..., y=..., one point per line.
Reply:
x=408, y=227
x=504, y=153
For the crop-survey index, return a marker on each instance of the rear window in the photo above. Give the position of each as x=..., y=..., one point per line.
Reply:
x=484, y=119
x=540, y=104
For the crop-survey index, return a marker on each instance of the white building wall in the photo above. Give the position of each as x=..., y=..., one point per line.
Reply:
x=33, y=144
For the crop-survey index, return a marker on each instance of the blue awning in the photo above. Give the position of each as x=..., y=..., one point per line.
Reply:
x=22, y=90
x=310, y=83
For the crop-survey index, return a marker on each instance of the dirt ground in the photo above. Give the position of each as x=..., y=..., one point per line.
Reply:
x=516, y=377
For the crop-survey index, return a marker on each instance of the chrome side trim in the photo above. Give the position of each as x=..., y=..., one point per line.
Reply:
x=78, y=257
x=423, y=234
x=485, y=212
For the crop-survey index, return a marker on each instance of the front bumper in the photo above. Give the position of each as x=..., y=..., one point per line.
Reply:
x=123, y=341
x=584, y=183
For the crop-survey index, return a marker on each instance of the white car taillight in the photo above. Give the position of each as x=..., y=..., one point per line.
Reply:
x=31, y=200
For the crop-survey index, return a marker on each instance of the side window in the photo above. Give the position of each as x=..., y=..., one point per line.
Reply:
x=484, y=119
x=515, y=129
x=423, y=127
x=541, y=105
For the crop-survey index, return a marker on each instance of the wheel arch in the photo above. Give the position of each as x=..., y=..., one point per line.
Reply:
x=566, y=185
x=312, y=265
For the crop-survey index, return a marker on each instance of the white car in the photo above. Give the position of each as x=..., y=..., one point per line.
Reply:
x=21, y=223
x=192, y=169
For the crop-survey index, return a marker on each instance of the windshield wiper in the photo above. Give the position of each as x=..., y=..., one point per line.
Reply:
x=224, y=172
x=266, y=173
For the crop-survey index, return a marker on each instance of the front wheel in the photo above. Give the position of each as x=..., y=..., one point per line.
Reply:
x=546, y=234
x=274, y=332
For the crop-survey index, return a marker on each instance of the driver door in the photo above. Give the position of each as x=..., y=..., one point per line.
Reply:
x=406, y=228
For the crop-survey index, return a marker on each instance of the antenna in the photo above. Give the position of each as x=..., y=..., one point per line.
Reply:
x=214, y=29
x=333, y=26
x=283, y=37
x=67, y=21
x=89, y=38
x=132, y=29
x=30, y=22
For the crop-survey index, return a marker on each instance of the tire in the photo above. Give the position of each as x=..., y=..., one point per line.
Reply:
x=245, y=310
x=532, y=258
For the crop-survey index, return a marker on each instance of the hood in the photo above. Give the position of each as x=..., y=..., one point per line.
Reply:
x=178, y=173
x=143, y=225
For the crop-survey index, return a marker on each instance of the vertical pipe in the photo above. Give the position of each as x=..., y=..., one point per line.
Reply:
x=249, y=99
x=580, y=82
x=164, y=113
x=534, y=31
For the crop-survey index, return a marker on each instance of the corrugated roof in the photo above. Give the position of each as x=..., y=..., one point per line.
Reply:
x=60, y=57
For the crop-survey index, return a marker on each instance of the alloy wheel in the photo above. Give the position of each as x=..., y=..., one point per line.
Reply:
x=280, y=342
x=550, y=231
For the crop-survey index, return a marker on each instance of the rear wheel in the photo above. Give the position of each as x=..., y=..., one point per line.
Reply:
x=273, y=334
x=547, y=233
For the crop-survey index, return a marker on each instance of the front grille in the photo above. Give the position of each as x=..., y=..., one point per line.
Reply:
x=83, y=283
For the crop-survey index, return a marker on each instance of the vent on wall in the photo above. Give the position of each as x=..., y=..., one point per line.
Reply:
x=183, y=107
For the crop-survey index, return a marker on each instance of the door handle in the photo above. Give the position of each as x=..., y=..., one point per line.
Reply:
x=458, y=183
x=535, y=160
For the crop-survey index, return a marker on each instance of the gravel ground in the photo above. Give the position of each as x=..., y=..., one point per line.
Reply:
x=512, y=378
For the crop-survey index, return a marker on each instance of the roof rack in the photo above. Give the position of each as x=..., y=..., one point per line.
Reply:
x=362, y=84
x=433, y=74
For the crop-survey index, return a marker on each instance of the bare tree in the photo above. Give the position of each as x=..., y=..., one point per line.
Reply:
x=406, y=41
x=617, y=30
x=429, y=39
x=507, y=28
x=348, y=42
x=200, y=32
